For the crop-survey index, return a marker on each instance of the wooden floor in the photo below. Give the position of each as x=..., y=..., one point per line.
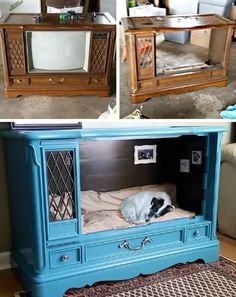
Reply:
x=9, y=283
x=227, y=247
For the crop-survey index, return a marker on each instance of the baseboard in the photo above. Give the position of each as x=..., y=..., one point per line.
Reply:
x=5, y=262
x=228, y=259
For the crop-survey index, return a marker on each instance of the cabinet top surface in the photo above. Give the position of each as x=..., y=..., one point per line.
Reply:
x=147, y=132
x=176, y=22
x=49, y=20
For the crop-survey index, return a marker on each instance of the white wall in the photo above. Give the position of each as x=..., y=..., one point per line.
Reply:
x=28, y=6
x=121, y=7
x=183, y=7
x=108, y=6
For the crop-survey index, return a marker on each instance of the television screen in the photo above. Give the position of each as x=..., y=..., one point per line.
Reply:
x=58, y=51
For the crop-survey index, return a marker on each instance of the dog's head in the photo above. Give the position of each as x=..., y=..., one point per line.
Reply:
x=156, y=204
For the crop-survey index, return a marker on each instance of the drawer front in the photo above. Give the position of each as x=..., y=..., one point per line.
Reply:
x=132, y=246
x=218, y=73
x=200, y=232
x=148, y=85
x=61, y=258
x=97, y=81
x=58, y=81
x=18, y=82
x=184, y=78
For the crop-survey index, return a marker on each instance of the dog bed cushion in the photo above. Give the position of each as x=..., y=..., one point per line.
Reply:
x=100, y=210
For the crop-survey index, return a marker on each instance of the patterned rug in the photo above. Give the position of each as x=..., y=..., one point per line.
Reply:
x=197, y=279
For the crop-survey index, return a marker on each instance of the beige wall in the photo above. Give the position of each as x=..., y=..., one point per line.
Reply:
x=5, y=235
x=228, y=137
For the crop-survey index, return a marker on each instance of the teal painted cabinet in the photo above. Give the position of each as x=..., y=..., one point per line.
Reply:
x=48, y=172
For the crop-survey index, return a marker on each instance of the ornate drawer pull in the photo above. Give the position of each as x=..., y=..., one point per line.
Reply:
x=56, y=82
x=127, y=245
x=65, y=258
x=19, y=81
x=197, y=233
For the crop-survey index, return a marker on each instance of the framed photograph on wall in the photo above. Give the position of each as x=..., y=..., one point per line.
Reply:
x=145, y=154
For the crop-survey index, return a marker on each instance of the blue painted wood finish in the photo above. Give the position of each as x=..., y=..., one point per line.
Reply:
x=55, y=256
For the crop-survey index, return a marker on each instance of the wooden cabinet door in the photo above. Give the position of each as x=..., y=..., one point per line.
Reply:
x=15, y=52
x=62, y=188
x=99, y=52
x=146, y=56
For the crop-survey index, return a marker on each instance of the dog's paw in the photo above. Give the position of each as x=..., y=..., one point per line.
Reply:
x=171, y=208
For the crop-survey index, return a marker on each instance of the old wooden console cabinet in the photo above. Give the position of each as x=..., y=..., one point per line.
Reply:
x=52, y=174
x=148, y=79
x=48, y=55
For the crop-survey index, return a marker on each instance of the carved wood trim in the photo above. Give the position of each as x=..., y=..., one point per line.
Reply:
x=4, y=59
x=131, y=53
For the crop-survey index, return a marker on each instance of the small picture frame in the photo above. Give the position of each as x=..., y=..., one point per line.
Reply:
x=145, y=154
x=197, y=157
x=185, y=166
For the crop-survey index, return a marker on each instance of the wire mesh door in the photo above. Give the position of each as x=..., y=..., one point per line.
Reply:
x=60, y=183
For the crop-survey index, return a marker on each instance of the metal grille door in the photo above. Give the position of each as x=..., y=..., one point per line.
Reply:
x=60, y=179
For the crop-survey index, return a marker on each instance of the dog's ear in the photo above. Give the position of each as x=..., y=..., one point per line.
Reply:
x=154, y=199
x=160, y=201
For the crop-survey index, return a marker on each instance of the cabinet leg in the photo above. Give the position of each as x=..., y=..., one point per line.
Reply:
x=140, y=99
x=11, y=94
x=106, y=93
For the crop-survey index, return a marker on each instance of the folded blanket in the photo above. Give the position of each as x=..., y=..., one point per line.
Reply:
x=107, y=220
x=92, y=201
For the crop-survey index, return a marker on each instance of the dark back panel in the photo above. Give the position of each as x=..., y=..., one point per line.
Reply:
x=189, y=185
x=109, y=165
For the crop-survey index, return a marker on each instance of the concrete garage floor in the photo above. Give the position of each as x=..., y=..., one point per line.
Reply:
x=201, y=104
x=42, y=107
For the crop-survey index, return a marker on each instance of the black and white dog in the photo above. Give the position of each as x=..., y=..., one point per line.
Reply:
x=141, y=207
